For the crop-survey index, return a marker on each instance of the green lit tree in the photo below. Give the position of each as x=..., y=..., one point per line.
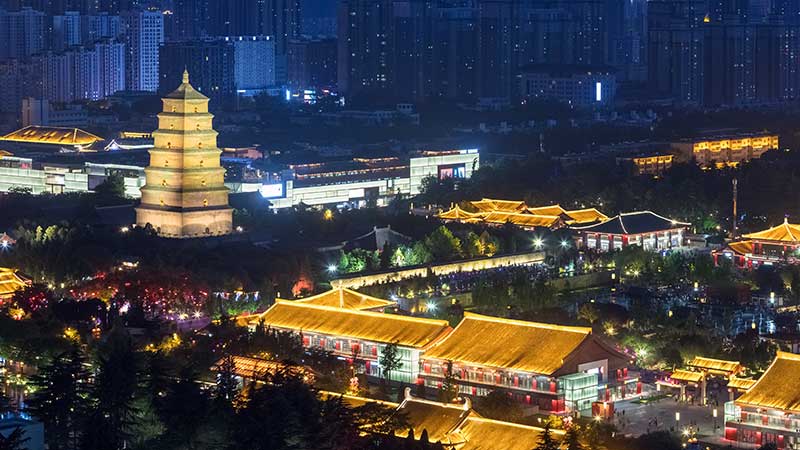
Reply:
x=390, y=360
x=442, y=244
x=572, y=438
x=546, y=440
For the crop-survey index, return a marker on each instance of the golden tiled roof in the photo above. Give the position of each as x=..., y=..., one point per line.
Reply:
x=490, y=205
x=256, y=368
x=456, y=213
x=522, y=220
x=52, y=135
x=715, y=365
x=685, y=375
x=741, y=247
x=785, y=232
x=741, y=383
x=588, y=215
x=779, y=387
x=376, y=327
x=346, y=298
x=509, y=344
x=439, y=419
x=10, y=282
x=485, y=434
x=186, y=91
x=552, y=210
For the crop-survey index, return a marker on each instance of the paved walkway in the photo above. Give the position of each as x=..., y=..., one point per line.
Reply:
x=639, y=419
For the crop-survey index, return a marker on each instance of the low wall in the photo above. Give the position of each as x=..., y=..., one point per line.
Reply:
x=470, y=265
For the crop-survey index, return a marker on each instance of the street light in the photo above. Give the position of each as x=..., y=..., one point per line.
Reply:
x=564, y=244
x=714, y=413
x=332, y=268
x=677, y=420
x=538, y=243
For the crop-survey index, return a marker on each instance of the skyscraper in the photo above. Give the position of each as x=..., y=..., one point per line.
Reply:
x=66, y=30
x=144, y=33
x=21, y=33
x=281, y=19
x=185, y=195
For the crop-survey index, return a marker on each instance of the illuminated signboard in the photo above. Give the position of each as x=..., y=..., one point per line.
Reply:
x=598, y=91
x=271, y=190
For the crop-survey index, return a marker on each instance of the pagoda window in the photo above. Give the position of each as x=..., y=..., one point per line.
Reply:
x=172, y=126
x=198, y=126
x=201, y=162
x=205, y=202
x=166, y=163
x=162, y=202
x=199, y=145
x=203, y=182
x=169, y=145
x=163, y=182
x=174, y=109
x=195, y=109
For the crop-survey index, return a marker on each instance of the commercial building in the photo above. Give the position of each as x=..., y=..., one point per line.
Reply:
x=185, y=195
x=500, y=212
x=556, y=368
x=254, y=63
x=580, y=86
x=360, y=181
x=645, y=229
x=725, y=150
x=144, y=34
x=769, y=412
x=776, y=245
x=312, y=63
x=358, y=335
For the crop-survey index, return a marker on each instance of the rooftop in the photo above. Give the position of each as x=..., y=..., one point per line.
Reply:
x=52, y=135
x=347, y=299
x=376, y=327
x=10, y=282
x=186, y=91
x=634, y=223
x=255, y=368
x=518, y=213
x=686, y=375
x=778, y=388
x=715, y=365
x=512, y=344
x=785, y=232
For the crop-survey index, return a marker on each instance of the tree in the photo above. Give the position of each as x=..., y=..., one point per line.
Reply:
x=114, y=390
x=546, y=440
x=183, y=410
x=14, y=441
x=449, y=389
x=61, y=400
x=572, y=438
x=110, y=191
x=390, y=360
x=588, y=313
x=662, y=440
x=227, y=386
x=442, y=244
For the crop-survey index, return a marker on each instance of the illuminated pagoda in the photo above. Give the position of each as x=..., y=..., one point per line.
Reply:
x=779, y=244
x=365, y=333
x=499, y=212
x=769, y=412
x=645, y=228
x=184, y=195
x=557, y=368
x=10, y=282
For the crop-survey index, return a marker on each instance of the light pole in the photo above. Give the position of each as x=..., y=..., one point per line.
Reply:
x=677, y=421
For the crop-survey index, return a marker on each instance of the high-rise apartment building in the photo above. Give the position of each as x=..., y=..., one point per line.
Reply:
x=22, y=33
x=144, y=33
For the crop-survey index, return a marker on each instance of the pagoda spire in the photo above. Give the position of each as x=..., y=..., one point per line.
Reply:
x=185, y=76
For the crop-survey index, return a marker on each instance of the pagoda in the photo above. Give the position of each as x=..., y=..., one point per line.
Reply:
x=184, y=195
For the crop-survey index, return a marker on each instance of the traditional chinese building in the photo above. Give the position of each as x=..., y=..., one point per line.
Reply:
x=363, y=334
x=775, y=245
x=500, y=212
x=769, y=412
x=699, y=369
x=10, y=282
x=557, y=368
x=247, y=369
x=347, y=299
x=646, y=229
x=184, y=195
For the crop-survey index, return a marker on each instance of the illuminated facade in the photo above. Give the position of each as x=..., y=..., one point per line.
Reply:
x=185, y=195
x=776, y=245
x=725, y=151
x=500, y=212
x=648, y=164
x=769, y=412
x=555, y=368
x=646, y=229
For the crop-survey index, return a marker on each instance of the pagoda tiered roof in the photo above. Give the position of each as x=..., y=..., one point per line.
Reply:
x=509, y=344
x=785, y=232
x=778, y=388
x=371, y=326
x=10, y=282
x=347, y=299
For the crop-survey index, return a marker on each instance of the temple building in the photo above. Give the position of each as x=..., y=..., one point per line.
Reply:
x=646, y=229
x=184, y=195
x=359, y=335
x=11, y=282
x=556, y=368
x=769, y=412
x=499, y=212
x=775, y=245
x=347, y=299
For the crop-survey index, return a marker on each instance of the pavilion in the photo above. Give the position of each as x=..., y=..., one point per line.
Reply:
x=769, y=412
x=11, y=282
x=699, y=369
x=556, y=368
x=779, y=244
x=644, y=228
x=499, y=212
x=365, y=334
